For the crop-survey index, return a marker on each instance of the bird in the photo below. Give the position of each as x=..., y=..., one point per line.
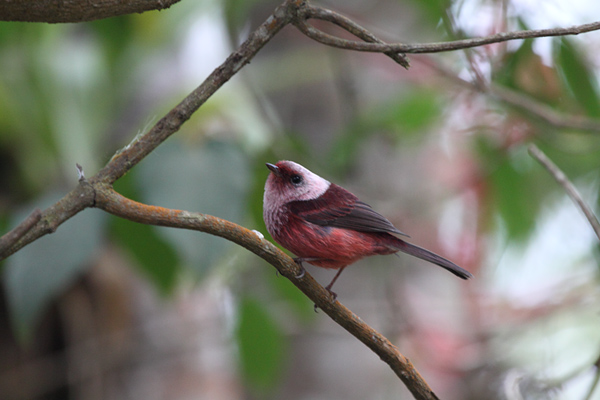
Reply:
x=326, y=225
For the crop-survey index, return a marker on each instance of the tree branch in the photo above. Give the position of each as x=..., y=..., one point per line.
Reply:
x=10, y=238
x=53, y=11
x=308, y=11
x=562, y=179
x=352, y=27
x=144, y=144
x=114, y=203
x=78, y=199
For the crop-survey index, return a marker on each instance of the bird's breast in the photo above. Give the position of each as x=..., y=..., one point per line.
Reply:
x=337, y=247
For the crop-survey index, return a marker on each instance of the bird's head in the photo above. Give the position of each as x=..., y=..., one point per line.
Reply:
x=289, y=181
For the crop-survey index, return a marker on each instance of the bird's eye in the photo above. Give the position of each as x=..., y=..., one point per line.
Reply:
x=296, y=179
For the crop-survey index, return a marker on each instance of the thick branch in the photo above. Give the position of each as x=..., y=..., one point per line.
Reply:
x=48, y=221
x=53, y=11
x=112, y=202
x=10, y=238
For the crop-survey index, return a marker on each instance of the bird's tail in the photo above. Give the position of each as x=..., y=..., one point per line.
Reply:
x=427, y=255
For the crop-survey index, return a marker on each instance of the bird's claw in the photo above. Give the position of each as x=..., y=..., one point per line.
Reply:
x=333, y=297
x=299, y=261
x=332, y=293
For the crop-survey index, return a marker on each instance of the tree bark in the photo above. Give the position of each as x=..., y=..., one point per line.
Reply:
x=57, y=11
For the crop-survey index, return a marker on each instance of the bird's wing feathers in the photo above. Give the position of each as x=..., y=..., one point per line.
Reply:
x=339, y=208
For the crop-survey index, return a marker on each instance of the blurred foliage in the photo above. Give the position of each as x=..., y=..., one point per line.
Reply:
x=509, y=186
x=211, y=178
x=524, y=70
x=236, y=13
x=155, y=257
x=261, y=346
x=433, y=11
x=578, y=75
x=34, y=276
x=403, y=119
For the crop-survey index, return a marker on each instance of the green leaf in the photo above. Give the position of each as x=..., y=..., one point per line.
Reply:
x=414, y=112
x=577, y=75
x=114, y=34
x=348, y=144
x=261, y=346
x=39, y=272
x=514, y=193
x=155, y=257
x=433, y=10
x=404, y=117
x=507, y=74
x=212, y=178
x=237, y=13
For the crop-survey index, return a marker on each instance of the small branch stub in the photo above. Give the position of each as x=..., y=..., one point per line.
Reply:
x=80, y=173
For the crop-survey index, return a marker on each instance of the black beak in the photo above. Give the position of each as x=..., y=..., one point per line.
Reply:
x=274, y=169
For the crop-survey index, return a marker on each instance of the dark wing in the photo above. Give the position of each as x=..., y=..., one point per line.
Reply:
x=339, y=208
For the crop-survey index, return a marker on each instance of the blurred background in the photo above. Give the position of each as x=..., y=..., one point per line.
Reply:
x=108, y=309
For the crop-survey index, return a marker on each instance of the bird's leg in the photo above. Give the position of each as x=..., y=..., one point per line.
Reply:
x=328, y=287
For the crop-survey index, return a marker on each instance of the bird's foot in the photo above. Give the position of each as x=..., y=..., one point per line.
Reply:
x=332, y=293
x=333, y=296
x=299, y=261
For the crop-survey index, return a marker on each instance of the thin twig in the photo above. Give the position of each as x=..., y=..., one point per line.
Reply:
x=350, y=26
x=417, y=48
x=562, y=179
